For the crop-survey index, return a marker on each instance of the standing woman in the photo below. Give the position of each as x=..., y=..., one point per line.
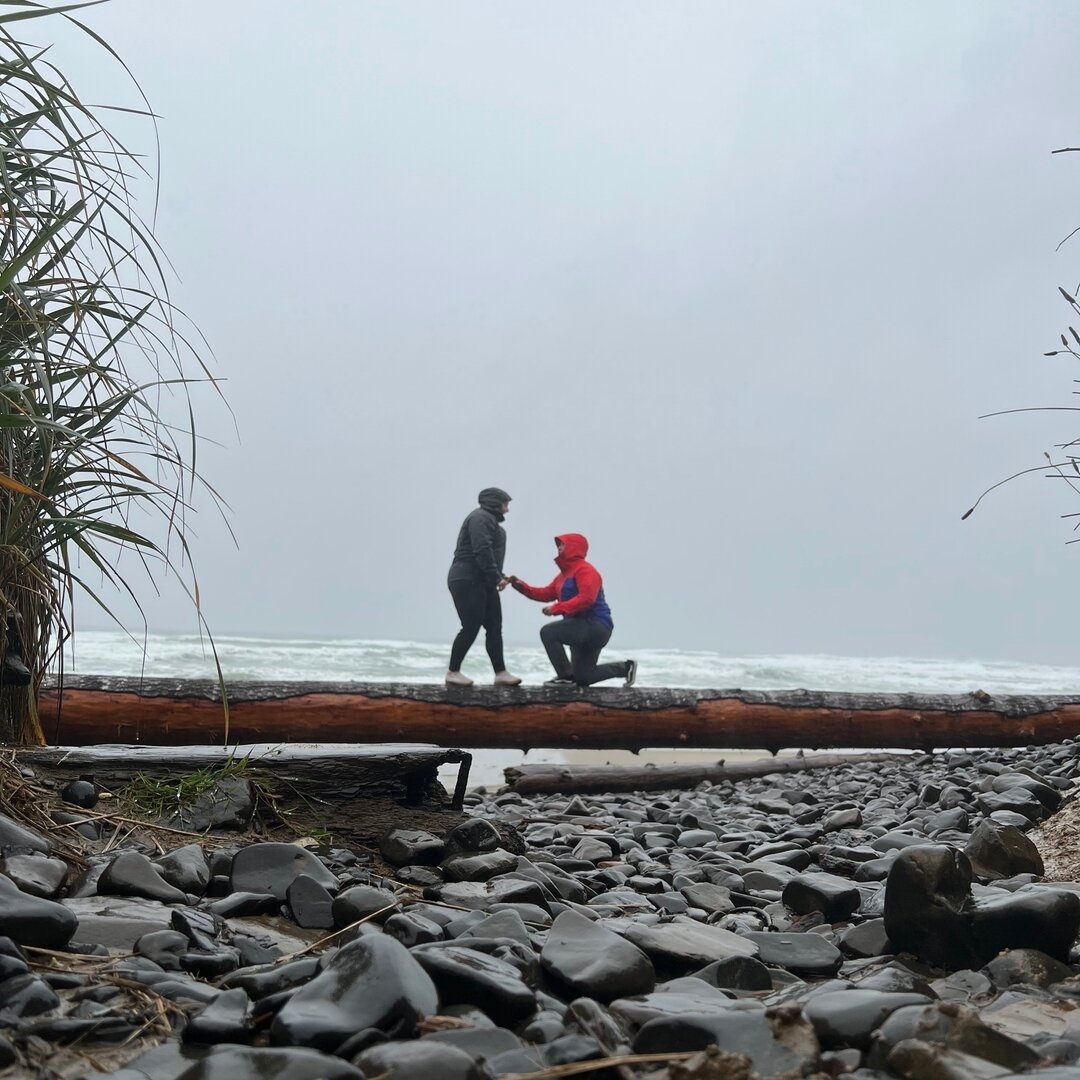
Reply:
x=475, y=581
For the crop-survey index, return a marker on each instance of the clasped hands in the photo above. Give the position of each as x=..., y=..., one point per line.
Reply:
x=511, y=579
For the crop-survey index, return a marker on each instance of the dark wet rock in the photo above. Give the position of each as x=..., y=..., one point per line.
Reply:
x=12, y=959
x=736, y=973
x=953, y=1026
x=27, y=995
x=836, y=898
x=1028, y=967
x=164, y=947
x=413, y=847
x=479, y=866
x=714, y=899
x=239, y=904
x=16, y=839
x=8, y=1054
x=31, y=920
x=186, y=869
x=677, y=998
x=227, y=806
x=780, y=1041
x=116, y=922
x=362, y=902
x=914, y=1059
x=211, y=964
x=37, y=875
x=685, y=945
x=418, y=1060
x=850, y=1017
x=1001, y=851
x=480, y=1044
x=484, y=895
x=473, y=834
x=1045, y=919
x=865, y=939
x=962, y=986
x=1016, y=800
x=594, y=962
x=272, y=868
x=227, y=1019
x=81, y=1029
x=80, y=793
x=271, y=979
x=412, y=929
x=423, y=877
x=501, y=924
x=310, y=903
x=802, y=954
x=248, y=1063
x=370, y=983
x=132, y=874
x=466, y=976
x=897, y=978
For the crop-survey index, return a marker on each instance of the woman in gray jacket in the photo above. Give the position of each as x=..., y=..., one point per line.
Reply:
x=475, y=580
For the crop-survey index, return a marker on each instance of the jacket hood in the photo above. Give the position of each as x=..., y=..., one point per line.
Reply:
x=492, y=499
x=575, y=548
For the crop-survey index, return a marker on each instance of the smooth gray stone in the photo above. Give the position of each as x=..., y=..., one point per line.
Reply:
x=164, y=947
x=1002, y=851
x=835, y=897
x=27, y=995
x=956, y=1027
x=80, y=793
x=267, y=979
x=37, y=875
x=414, y=847
x=132, y=874
x=32, y=920
x=802, y=954
x=915, y=1059
x=227, y=1019
x=1026, y=967
x=467, y=976
x=246, y=1063
x=239, y=904
x=16, y=839
x=186, y=869
x=865, y=939
x=736, y=973
x=480, y=1044
x=229, y=805
x=844, y=1018
x=479, y=866
x=502, y=924
x=747, y=1032
x=686, y=945
x=310, y=903
x=168, y=1061
x=1016, y=800
x=372, y=982
x=420, y=1059
x=473, y=834
x=362, y=902
x=412, y=929
x=591, y=961
x=962, y=986
x=483, y=895
x=1045, y=919
x=272, y=868
x=711, y=898
x=691, y=997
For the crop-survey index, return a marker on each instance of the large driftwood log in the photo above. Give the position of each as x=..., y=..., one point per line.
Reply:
x=335, y=773
x=94, y=709
x=590, y=779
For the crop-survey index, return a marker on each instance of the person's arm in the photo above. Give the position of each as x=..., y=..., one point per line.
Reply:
x=535, y=592
x=482, y=538
x=588, y=586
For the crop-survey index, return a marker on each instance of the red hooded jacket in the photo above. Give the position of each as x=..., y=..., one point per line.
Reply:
x=578, y=589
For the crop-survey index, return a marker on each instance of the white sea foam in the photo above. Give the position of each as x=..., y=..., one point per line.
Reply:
x=104, y=652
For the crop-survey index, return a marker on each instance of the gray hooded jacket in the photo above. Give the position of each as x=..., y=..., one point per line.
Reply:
x=481, y=542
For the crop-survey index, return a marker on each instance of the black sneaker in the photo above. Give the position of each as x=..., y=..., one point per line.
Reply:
x=631, y=673
x=559, y=682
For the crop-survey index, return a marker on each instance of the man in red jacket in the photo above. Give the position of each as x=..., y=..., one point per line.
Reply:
x=577, y=594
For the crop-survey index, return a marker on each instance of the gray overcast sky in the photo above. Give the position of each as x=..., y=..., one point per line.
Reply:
x=723, y=286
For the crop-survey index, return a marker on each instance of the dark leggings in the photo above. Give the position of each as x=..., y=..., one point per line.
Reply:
x=586, y=638
x=477, y=605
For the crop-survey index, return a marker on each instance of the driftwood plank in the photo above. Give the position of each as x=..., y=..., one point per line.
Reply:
x=94, y=709
x=591, y=779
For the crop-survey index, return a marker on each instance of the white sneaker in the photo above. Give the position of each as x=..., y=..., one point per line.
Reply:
x=455, y=678
x=504, y=678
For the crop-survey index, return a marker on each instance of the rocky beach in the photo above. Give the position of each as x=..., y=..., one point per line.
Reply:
x=912, y=918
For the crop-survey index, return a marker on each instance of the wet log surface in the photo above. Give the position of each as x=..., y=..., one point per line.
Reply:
x=586, y=779
x=334, y=774
x=95, y=709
